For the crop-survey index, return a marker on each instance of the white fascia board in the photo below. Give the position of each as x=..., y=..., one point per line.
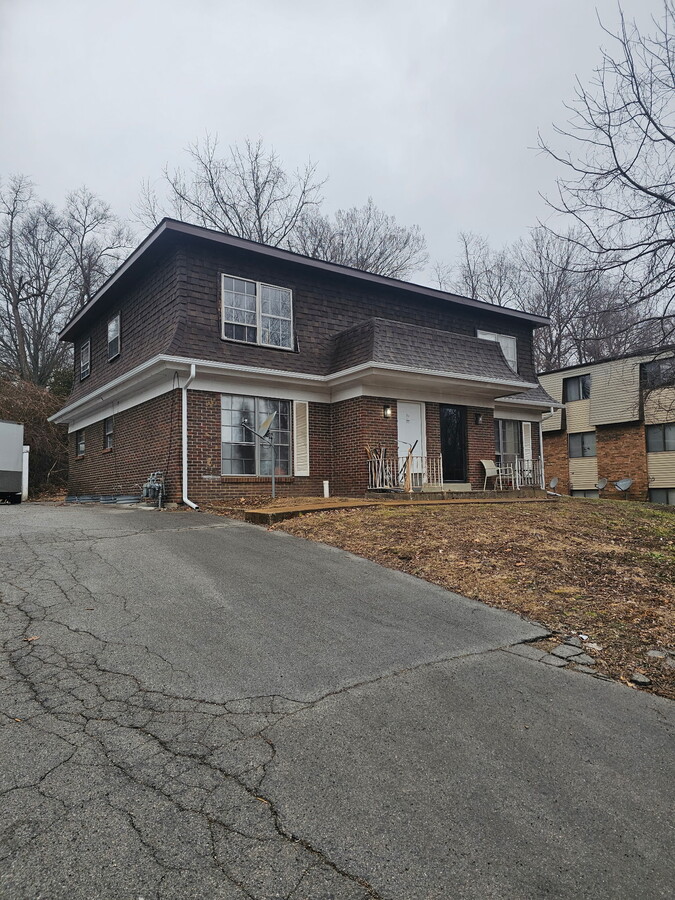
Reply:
x=156, y=376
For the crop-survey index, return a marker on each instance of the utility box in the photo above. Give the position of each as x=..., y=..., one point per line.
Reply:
x=11, y=462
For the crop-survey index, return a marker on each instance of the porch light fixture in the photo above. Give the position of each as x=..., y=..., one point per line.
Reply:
x=479, y=418
x=386, y=412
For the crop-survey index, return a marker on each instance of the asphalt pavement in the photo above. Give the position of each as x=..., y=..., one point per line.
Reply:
x=193, y=707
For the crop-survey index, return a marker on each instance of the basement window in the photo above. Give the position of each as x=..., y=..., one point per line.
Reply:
x=581, y=445
x=662, y=495
x=576, y=388
x=85, y=359
x=587, y=494
x=256, y=313
x=114, y=337
x=242, y=452
x=661, y=438
x=79, y=442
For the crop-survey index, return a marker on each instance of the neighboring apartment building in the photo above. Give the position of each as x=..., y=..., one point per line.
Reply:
x=617, y=421
x=200, y=336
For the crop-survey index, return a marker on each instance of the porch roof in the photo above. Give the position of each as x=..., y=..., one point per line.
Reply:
x=395, y=344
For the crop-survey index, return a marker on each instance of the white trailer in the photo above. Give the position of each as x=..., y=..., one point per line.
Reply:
x=12, y=486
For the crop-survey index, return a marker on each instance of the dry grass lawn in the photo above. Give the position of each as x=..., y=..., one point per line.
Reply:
x=602, y=568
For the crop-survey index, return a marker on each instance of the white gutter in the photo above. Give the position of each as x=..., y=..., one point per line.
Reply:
x=191, y=378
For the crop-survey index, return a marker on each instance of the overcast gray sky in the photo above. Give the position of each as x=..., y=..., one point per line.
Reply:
x=432, y=106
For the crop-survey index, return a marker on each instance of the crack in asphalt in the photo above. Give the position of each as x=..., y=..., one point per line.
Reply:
x=180, y=775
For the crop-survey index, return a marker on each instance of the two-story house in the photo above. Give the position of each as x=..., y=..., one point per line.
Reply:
x=617, y=422
x=199, y=336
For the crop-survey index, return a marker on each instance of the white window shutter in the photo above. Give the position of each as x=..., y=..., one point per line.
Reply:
x=527, y=440
x=300, y=437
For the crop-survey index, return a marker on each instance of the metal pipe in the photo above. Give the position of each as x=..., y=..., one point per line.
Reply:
x=184, y=424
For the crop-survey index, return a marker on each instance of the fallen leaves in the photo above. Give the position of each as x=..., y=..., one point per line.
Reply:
x=604, y=569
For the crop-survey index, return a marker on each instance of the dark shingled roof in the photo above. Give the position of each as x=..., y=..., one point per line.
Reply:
x=399, y=344
x=534, y=395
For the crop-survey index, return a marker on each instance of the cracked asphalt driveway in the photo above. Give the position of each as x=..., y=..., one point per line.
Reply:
x=197, y=708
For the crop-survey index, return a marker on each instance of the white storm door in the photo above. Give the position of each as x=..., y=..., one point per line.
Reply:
x=410, y=417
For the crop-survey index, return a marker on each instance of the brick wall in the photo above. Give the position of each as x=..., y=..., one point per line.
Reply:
x=356, y=423
x=556, y=460
x=480, y=441
x=141, y=445
x=621, y=453
x=148, y=437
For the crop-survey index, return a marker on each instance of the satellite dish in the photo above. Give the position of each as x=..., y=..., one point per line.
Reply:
x=266, y=425
x=602, y=484
x=623, y=484
x=553, y=483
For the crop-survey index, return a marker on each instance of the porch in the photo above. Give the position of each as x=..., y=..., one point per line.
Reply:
x=424, y=474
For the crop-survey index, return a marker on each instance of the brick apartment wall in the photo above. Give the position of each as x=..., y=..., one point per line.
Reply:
x=141, y=445
x=432, y=417
x=356, y=423
x=621, y=453
x=556, y=460
x=206, y=484
x=480, y=440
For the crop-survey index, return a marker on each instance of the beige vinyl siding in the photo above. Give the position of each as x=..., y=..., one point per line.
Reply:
x=661, y=470
x=578, y=416
x=552, y=384
x=615, y=391
x=660, y=406
x=583, y=473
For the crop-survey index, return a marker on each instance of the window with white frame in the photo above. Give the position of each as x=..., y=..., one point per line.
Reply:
x=108, y=428
x=508, y=344
x=256, y=313
x=79, y=442
x=242, y=452
x=85, y=359
x=581, y=445
x=114, y=337
x=508, y=440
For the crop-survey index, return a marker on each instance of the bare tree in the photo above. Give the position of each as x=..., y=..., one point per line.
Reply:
x=50, y=264
x=620, y=186
x=362, y=237
x=554, y=276
x=246, y=193
x=96, y=240
x=481, y=272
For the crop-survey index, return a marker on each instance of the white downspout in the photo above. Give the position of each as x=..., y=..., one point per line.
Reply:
x=184, y=442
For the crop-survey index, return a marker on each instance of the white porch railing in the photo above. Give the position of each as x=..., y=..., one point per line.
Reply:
x=390, y=473
x=518, y=473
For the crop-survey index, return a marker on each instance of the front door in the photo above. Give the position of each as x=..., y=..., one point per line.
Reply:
x=410, y=417
x=453, y=442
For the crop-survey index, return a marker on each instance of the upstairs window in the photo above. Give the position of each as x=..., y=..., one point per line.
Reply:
x=581, y=445
x=108, y=433
x=659, y=373
x=661, y=438
x=576, y=388
x=79, y=442
x=85, y=360
x=114, y=337
x=508, y=344
x=256, y=313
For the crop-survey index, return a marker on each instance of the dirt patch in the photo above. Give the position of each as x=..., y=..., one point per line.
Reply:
x=602, y=568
